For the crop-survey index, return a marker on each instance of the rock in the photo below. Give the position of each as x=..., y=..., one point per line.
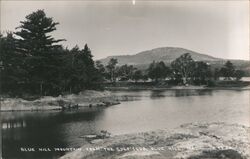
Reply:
x=96, y=141
x=190, y=141
x=89, y=136
x=102, y=135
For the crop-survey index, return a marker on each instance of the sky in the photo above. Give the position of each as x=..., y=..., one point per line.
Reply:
x=123, y=27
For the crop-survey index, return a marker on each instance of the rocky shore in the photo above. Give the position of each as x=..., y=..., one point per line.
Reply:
x=189, y=141
x=89, y=98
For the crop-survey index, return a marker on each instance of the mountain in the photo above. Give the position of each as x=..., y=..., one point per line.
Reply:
x=168, y=54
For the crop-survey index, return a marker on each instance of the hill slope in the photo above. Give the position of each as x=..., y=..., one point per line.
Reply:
x=166, y=54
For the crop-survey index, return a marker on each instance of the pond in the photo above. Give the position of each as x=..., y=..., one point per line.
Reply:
x=154, y=110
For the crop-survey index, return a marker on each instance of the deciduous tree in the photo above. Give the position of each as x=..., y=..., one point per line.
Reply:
x=183, y=66
x=111, y=69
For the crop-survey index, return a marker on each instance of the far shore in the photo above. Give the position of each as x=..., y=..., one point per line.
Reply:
x=191, y=87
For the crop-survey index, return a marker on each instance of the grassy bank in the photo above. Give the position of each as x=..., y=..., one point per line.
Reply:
x=87, y=98
x=190, y=141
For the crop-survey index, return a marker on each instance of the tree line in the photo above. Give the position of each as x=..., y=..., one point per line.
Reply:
x=33, y=62
x=183, y=70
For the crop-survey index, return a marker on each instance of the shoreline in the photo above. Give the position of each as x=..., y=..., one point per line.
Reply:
x=85, y=99
x=178, y=88
x=189, y=141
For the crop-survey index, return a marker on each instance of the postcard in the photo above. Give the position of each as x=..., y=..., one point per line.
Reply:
x=124, y=79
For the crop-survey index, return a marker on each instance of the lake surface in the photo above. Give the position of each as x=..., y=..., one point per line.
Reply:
x=154, y=110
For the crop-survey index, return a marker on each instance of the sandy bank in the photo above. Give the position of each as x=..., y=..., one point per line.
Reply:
x=87, y=98
x=190, y=141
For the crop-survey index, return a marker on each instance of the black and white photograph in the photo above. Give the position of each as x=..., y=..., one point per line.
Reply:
x=125, y=79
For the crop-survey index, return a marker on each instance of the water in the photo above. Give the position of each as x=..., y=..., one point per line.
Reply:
x=154, y=110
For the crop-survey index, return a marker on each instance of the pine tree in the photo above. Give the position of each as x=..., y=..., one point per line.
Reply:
x=39, y=48
x=12, y=73
x=33, y=34
x=228, y=70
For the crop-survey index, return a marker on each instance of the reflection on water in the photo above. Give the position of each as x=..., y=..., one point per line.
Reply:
x=45, y=130
x=179, y=93
x=154, y=110
x=162, y=93
x=13, y=124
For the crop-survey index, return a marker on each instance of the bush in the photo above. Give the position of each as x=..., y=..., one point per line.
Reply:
x=211, y=83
